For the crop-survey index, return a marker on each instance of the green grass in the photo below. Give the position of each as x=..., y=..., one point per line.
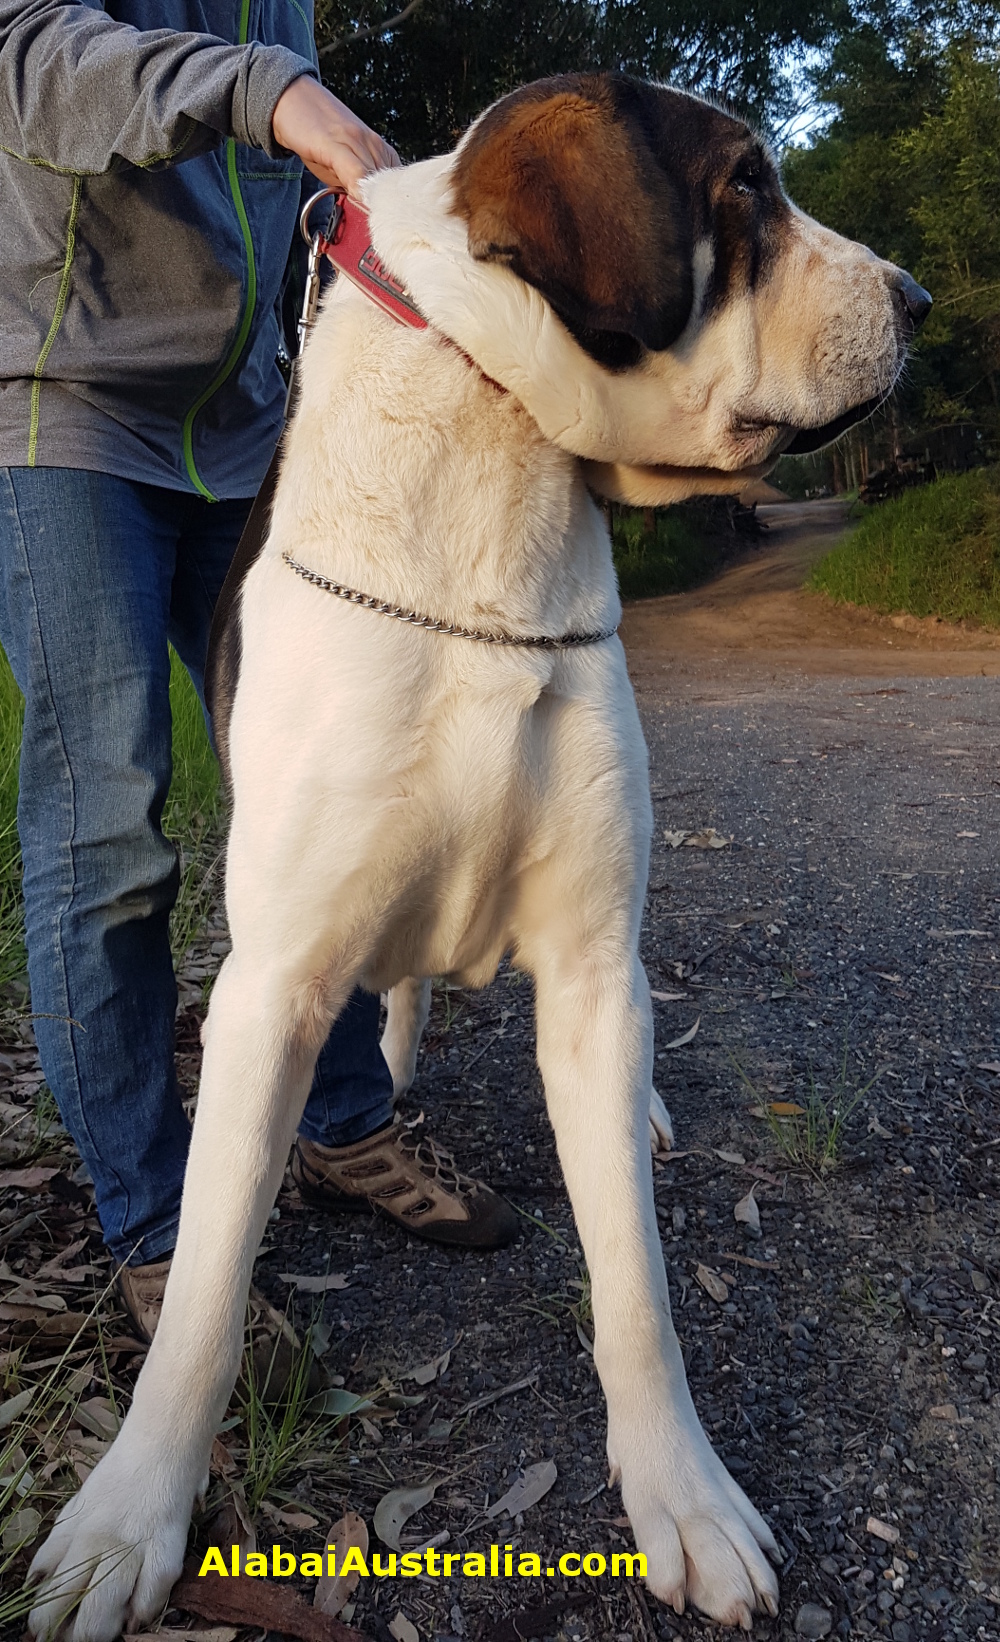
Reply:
x=661, y=552
x=934, y=552
x=193, y=818
x=808, y=1131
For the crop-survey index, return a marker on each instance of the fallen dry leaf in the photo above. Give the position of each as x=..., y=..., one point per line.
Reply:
x=747, y=1212
x=21, y=1528
x=667, y=997
x=705, y=838
x=403, y=1629
x=22, y=1314
x=14, y=1407
x=73, y=1275
x=530, y=1487
x=27, y=1179
x=712, y=1283
x=331, y=1595
x=55, y=1267
x=730, y=1157
x=299, y=1520
x=342, y=1404
x=779, y=1108
x=221, y=1462
x=26, y=1296
x=989, y=1066
x=944, y=1411
x=97, y=1416
x=428, y=1372
x=396, y=1508
x=685, y=1037
x=260, y=1603
x=314, y=1285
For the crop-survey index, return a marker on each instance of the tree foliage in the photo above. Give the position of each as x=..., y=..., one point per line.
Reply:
x=909, y=165
x=423, y=82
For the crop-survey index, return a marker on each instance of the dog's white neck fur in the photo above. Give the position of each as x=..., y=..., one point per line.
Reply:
x=449, y=498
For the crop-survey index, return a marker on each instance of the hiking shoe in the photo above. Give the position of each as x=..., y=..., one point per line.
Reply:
x=140, y=1290
x=277, y=1350
x=410, y=1178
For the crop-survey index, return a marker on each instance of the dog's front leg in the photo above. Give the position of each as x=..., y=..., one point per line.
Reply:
x=700, y=1534
x=118, y=1546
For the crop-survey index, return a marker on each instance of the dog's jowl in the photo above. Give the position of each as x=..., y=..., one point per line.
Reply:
x=621, y=300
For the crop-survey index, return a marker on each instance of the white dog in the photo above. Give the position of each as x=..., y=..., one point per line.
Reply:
x=620, y=298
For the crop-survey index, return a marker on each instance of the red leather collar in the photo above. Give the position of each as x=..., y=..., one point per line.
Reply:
x=347, y=243
x=350, y=249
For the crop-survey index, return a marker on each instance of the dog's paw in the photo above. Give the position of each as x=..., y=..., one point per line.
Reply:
x=703, y=1541
x=661, y=1130
x=113, y=1555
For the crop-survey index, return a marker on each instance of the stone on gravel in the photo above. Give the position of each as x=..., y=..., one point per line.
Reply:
x=883, y=1530
x=812, y=1620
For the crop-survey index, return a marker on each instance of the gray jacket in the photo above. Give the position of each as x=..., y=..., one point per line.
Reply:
x=147, y=217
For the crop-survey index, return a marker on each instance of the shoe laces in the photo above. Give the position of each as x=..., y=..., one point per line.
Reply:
x=434, y=1161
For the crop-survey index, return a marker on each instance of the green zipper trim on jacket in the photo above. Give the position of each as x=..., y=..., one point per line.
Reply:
x=57, y=319
x=249, y=306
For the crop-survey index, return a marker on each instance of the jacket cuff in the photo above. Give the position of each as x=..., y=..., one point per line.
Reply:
x=271, y=71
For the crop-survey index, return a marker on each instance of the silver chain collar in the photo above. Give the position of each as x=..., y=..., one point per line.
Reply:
x=568, y=641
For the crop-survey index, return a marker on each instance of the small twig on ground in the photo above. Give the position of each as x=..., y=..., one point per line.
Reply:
x=745, y=1260
x=495, y=1396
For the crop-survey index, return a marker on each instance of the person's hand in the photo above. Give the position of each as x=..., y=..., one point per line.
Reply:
x=333, y=143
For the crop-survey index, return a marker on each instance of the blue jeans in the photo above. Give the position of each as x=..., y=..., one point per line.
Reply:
x=96, y=574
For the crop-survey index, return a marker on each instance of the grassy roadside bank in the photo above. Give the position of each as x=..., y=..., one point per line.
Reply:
x=934, y=552
x=193, y=818
x=668, y=550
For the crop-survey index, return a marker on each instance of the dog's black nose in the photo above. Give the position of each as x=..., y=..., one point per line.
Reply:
x=916, y=300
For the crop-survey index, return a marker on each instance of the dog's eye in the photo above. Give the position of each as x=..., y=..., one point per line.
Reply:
x=746, y=182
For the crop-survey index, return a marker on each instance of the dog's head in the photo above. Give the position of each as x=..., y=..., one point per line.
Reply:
x=636, y=275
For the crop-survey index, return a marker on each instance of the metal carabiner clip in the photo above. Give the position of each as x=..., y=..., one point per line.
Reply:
x=323, y=194
x=315, y=240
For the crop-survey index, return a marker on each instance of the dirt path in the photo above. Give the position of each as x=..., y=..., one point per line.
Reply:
x=757, y=615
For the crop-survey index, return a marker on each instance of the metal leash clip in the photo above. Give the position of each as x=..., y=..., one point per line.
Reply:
x=315, y=241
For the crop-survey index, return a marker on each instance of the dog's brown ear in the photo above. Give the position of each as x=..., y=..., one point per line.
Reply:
x=560, y=184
